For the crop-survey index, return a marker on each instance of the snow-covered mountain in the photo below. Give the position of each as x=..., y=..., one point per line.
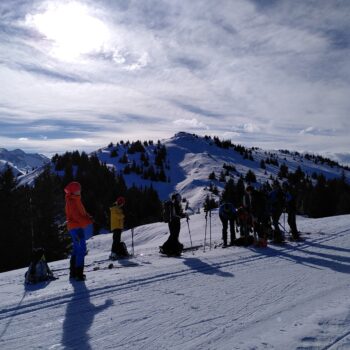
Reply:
x=21, y=163
x=190, y=159
x=294, y=296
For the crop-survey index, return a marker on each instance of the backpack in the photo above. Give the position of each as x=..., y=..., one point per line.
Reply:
x=276, y=201
x=121, y=250
x=38, y=269
x=259, y=205
x=166, y=211
x=243, y=241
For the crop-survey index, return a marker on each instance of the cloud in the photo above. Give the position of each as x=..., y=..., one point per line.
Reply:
x=52, y=74
x=261, y=71
x=311, y=130
x=190, y=123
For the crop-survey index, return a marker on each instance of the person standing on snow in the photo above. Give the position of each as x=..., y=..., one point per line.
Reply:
x=77, y=220
x=291, y=209
x=117, y=224
x=255, y=203
x=227, y=214
x=172, y=246
x=276, y=203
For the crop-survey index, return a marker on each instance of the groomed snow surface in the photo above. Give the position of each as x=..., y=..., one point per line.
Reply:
x=294, y=296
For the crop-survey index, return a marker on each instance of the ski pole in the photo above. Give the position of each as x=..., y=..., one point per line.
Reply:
x=205, y=231
x=189, y=232
x=132, y=241
x=209, y=229
x=283, y=227
x=31, y=221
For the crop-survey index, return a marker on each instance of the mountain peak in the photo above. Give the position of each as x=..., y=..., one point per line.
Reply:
x=20, y=161
x=182, y=134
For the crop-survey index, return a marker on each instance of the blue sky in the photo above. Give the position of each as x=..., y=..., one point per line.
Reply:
x=80, y=74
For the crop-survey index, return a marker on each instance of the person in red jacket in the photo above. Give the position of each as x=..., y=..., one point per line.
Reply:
x=77, y=220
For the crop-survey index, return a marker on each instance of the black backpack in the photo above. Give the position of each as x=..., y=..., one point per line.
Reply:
x=121, y=250
x=38, y=269
x=167, y=209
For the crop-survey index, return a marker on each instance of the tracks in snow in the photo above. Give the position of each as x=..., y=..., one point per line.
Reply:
x=197, y=267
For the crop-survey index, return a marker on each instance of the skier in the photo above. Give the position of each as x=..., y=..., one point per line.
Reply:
x=255, y=203
x=243, y=221
x=227, y=214
x=173, y=213
x=117, y=224
x=276, y=202
x=290, y=205
x=77, y=220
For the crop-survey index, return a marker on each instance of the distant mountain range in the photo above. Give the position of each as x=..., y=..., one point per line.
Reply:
x=189, y=164
x=21, y=163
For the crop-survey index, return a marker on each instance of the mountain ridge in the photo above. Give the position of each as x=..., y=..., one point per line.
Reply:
x=193, y=165
x=21, y=162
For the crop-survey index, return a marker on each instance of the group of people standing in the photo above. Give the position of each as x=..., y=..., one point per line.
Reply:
x=260, y=214
x=258, y=211
x=78, y=219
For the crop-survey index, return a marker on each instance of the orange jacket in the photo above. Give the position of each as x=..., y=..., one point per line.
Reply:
x=76, y=213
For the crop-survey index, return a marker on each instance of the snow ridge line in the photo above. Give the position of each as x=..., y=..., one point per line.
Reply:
x=59, y=300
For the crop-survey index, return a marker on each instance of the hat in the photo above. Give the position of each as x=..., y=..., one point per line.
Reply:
x=249, y=188
x=72, y=187
x=120, y=201
x=176, y=196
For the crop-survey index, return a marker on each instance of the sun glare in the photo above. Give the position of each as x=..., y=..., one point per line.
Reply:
x=71, y=28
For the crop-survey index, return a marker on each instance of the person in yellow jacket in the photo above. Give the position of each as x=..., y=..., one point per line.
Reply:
x=117, y=224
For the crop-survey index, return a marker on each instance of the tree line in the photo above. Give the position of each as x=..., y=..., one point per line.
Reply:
x=315, y=195
x=33, y=216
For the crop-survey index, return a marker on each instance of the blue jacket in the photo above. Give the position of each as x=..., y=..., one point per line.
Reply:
x=227, y=211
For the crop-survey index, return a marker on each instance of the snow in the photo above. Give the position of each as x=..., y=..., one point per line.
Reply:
x=192, y=158
x=294, y=296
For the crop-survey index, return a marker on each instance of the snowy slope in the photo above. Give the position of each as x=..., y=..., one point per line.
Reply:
x=21, y=162
x=192, y=158
x=294, y=296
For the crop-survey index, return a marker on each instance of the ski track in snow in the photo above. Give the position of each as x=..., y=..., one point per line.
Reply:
x=293, y=296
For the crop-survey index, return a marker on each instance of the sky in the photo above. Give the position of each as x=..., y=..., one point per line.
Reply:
x=82, y=74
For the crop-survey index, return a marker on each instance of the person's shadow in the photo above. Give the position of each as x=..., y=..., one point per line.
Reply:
x=203, y=267
x=79, y=317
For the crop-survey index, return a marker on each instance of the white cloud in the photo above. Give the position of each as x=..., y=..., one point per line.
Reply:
x=190, y=123
x=262, y=73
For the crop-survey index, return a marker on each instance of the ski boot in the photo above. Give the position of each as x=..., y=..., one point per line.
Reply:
x=79, y=274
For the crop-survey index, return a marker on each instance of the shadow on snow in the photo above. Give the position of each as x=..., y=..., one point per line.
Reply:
x=203, y=267
x=80, y=314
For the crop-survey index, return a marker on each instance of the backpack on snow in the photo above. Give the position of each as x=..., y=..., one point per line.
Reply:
x=243, y=241
x=121, y=250
x=166, y=210
x=38, y=269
